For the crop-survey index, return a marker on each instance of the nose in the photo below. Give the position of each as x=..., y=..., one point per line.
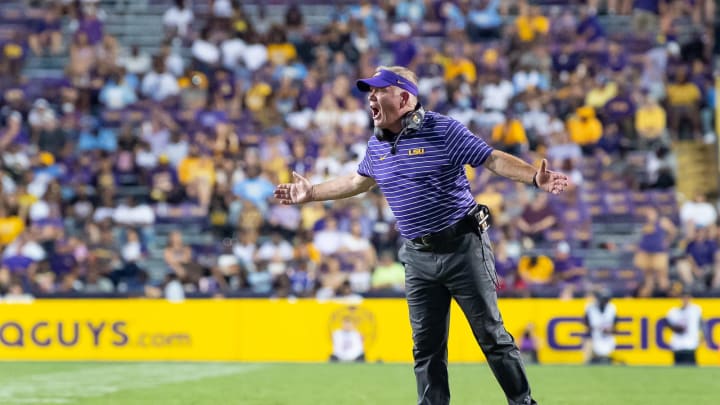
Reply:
x=371, y=95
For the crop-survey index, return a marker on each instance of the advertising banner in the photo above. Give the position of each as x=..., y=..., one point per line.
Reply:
x=257, y=330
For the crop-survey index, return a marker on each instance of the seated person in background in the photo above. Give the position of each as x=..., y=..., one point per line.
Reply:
x=683, y=99
x=493, y=199
x=536, y=218
x=536, y=270
x=164, y=183
x=197, y=173
x=697, y=213
x=178, y=256
x=569, y=271
x=700, y=267
x=331, y=278
x=329, y=240
x=347, y=343
x=389, y=274
x=510, y=136
x=650, y=122
x=529, y=344
x=506, y=268
x=585, y=129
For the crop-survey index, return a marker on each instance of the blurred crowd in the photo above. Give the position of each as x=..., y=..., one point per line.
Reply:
x=133, y=156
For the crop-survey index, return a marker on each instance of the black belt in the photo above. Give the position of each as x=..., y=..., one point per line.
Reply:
x=475, y=221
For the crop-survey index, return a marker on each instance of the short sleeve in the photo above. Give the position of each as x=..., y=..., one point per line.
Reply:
x=365, y=168
x=464, y=148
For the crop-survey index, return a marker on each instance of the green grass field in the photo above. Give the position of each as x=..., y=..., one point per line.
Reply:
x=336, y=384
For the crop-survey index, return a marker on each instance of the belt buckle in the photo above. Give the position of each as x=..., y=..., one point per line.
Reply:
x=425, y=239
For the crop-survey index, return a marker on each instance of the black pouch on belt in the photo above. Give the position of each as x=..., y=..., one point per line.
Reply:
x=482, y=216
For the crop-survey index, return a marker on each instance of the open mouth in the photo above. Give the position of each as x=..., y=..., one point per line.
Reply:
x=375, y=112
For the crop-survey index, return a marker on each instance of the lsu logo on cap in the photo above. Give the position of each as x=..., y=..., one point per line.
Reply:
x=416, y=151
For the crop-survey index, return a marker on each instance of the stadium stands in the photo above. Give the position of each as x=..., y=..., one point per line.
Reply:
x=153, y=119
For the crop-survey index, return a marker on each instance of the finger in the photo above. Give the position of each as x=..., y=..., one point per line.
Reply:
x=297, y=177
x=543, y=166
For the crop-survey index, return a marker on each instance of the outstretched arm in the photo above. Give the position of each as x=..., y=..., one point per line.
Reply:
x=301, y=191
x=509, y=166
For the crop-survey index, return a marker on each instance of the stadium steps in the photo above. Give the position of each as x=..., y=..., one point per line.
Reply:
x=697, y=168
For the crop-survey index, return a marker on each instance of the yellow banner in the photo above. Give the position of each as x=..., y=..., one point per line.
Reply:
x=283, y=330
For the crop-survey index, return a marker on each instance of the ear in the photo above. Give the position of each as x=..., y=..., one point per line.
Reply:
x=404, y=98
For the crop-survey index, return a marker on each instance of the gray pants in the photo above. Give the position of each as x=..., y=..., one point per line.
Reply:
x=459, y=268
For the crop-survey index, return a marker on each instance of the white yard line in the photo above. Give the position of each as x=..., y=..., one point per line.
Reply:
x=64, y=387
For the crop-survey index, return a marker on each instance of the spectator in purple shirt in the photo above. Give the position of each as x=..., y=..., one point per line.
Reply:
x=91, y=25
x=621, y=110
x=589, y=29
x=617, y=58
x=47, y=32
x=569, y=271
x=403, y=47
x=19, y=265
x=164, y=183
x=537, y=218
x=700, y=267
x=566, y=60
x=311, y=92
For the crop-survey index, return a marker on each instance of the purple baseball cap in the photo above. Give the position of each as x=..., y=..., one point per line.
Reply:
x=385, y=78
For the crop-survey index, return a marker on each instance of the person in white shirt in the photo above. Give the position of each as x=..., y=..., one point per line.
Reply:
x=600, y=319
x=329, y=240
x=255, y=54
x=159, y=84
x=137, y=62
x=132, y=214
x=686, y=324
x=276, y=248
x=697, y=212
x=347, y=343
x=205, y=51
x=178, y=19
x=233, y=50
x=497, y=93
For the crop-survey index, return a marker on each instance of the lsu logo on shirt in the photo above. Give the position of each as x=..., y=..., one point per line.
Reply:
x=416, y=151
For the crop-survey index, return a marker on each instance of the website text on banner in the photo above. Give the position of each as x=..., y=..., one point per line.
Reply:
x=279, y=330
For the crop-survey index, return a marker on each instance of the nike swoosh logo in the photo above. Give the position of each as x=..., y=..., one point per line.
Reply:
x=383, y=156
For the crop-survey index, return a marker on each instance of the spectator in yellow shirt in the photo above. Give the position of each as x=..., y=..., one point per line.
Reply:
x=536, y=269
x=683, y=99
x=494, y=200
x=280, y=51
x=510, y=136
x=455, y=64
x=650, y=121
x=11, y=226
x=197, y=173
x=585, y=129
x=602, y=92
x=531, y=24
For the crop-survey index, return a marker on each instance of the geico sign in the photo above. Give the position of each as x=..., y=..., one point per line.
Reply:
x=568, y=333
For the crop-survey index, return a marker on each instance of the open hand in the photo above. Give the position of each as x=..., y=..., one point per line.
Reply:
x=298, y=192
x=552, y=182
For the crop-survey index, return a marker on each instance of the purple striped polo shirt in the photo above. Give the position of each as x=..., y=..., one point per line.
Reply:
x=424, y=181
